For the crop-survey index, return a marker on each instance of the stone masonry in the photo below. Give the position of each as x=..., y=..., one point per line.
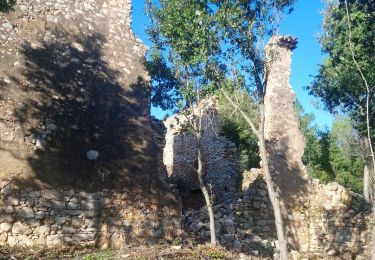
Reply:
x=285, y=141
x=106, y=218
x=77, y=156
x=325, y=220
x=72, y=81
x=338, y=221
x=221, y=165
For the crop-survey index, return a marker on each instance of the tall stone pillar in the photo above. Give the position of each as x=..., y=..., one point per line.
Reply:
x=285, y=141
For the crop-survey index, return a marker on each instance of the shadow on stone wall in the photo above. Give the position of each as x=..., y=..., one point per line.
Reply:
x=346, y=230
x=75, y=103
x=292, y=185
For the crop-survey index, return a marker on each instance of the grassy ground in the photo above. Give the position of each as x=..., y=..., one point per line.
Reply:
x=133, y=253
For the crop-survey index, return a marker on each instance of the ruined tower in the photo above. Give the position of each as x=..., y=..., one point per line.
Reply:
x=72, y=82
x=77, y=155
x=285, y=141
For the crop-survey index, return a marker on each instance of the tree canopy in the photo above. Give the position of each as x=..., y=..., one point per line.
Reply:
x=339, y=84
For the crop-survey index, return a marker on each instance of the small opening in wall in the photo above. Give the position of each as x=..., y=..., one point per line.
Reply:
x=193, y=199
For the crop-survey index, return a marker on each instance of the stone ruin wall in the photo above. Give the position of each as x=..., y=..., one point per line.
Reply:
x=221, y=165
x=317, y=217
x=71, y=81
x=338, y=221
x=285, y=141
x=106, y=218
x=68, y=67
x=325, y=219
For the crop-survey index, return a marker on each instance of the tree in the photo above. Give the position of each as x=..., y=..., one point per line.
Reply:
x=247, y=25
x=185, y=32
x=339, y=84
x=190, y=32
x=346, y=154
x=165, y=87
x=337, y=155
x=346, y=80
x=237, y=131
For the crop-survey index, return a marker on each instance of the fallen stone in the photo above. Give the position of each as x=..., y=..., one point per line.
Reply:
x=196, y=226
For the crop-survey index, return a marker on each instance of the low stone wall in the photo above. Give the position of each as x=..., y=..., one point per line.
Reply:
x=64, y=216
x=338, y=220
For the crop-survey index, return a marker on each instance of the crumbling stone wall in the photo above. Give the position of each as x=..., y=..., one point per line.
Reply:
x=75, y=123
x=338, y=221
x=321, y=219
x=105, y=218
x=221, y=165
x=72, y=80
x=285, y=141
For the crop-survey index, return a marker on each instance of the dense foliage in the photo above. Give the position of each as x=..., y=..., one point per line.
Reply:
x=186, y=45
x=237, y=130
x=339, y=84
x=334, y=155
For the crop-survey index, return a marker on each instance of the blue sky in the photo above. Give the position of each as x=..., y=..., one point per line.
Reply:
x=304, y=23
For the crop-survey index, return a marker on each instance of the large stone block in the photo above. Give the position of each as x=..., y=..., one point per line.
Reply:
x=19, y=228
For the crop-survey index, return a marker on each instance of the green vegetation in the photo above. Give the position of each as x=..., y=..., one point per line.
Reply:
x=7, y=5
x=237, y=130
x=99, y=255
x=334, y=155
x=339, y=84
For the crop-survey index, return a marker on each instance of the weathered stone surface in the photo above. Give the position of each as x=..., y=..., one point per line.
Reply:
x=222, y=168
x=83, y=237
x=51, y=195
x=25, y=213
x=6, y=217
x=11, y=201
x=90, y=204
x=53, y=240
x=72, y=79
x=3, y=238
x=53, y=225
x=285, y=141
x=195, y=227
x=60, y=220
x=40, y=215
x=19, y=228
x=21, y=240
x=5, y=227
x=42, y=230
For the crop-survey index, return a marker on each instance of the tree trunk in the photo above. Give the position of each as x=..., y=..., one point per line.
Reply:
x=271, y=191
x=267, y=175
x=201, y=183
x=368, y=95
x=366, y=184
